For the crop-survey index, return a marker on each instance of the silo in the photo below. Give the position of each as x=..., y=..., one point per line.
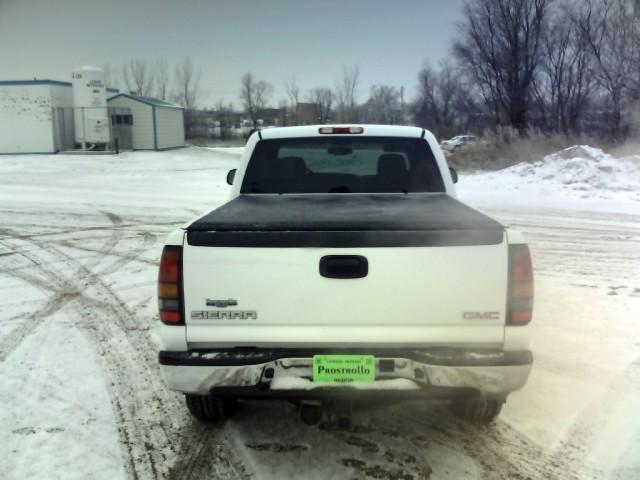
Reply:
x=91, y=120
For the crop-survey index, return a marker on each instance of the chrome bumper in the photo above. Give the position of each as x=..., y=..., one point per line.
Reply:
x=486, y=373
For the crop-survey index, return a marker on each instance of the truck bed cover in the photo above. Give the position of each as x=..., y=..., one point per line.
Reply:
x=350, y=220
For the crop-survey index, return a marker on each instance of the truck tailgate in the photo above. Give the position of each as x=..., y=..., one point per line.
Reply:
x=437, y=273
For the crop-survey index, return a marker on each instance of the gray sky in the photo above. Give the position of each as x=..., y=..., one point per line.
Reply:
x=311, y=40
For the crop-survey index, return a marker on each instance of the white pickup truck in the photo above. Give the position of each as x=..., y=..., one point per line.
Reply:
x=343, y=266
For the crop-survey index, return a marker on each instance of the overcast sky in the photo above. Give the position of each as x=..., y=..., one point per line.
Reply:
x=309, y=39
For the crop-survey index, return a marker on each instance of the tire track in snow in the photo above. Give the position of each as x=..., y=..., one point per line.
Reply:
x=129, y=358
x=63, y=290
x=594, y=420
x=201, y=459
x=84, y=279
x=498, y=450
x=123, y=226
x=119, y=389
x=70, y=288
x=134, y=256
x=560, y=243
x=140, y=461
x=115, y=236
x=204, y=454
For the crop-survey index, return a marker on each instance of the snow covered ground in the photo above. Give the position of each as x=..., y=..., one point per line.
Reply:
x=80, y=389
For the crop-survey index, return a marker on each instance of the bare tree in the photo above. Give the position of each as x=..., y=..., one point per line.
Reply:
x=346, y=94
x=611, y=30
x=565, y=83
x=255, y=95
x=187, y=84
x=635, y=87
x=293, y=92
x=500, y=49
x=442, y=103
x=187, y=92
x=383, y=106
x=163, y=79
x=138, y=77
x=323, y=98
x=634, y=113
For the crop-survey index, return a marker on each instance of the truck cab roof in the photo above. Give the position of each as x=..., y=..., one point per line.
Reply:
x=367, y=130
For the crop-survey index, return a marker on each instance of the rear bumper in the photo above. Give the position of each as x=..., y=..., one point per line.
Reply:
x=286, y=373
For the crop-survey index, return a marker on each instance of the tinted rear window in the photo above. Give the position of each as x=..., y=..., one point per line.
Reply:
x=342, y=165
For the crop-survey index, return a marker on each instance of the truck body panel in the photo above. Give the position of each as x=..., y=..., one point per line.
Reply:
x=315, y=254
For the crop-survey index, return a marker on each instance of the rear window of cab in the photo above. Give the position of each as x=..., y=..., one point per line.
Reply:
x=342, y=165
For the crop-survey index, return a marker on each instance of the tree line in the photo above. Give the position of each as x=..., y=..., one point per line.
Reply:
x=156, y=79
x=556, y=66
x=180, y=85
x=559, y=66
x=569, y=67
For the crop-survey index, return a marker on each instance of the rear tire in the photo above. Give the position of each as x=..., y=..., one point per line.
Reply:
x=482, y=410
x=206, y=408
x=311, y=413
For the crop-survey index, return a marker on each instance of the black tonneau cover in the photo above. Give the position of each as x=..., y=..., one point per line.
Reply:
x=344, y=220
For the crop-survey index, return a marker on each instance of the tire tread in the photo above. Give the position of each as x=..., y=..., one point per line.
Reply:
x=206, y=408
x=483, y=410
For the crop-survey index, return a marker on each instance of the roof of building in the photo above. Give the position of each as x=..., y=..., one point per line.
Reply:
x=156, y=102
x=45, y=82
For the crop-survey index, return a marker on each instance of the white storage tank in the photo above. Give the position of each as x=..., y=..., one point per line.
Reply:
x=91, y=120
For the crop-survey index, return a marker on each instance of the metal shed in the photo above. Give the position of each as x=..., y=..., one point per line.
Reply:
x=156, y=124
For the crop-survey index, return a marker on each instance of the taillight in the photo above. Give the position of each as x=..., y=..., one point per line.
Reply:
x=520, y=286
x=170, y=286
x=340, y=130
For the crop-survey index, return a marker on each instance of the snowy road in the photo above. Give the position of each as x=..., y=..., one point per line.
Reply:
x=82, y=396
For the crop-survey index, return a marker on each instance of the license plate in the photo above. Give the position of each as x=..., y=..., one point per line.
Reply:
x=344, y=368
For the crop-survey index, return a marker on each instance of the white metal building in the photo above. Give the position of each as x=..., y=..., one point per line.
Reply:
x=48, y=116
x=36, y=116
x=157, y=125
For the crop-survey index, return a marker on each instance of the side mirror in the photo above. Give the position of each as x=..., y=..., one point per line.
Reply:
x=454, y=174
x=230, y=176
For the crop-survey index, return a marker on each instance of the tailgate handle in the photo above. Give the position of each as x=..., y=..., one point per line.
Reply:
x=344, y=266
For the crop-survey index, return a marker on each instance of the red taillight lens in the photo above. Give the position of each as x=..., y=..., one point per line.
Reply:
x=340, y=130
x=170, y=264
x=171, y=318
x=521, y=286
x=170, y=286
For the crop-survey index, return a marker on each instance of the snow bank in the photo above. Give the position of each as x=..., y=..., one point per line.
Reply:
x=579, y=172
x=583, y=169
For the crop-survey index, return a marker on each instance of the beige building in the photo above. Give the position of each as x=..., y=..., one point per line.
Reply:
x=155, y=124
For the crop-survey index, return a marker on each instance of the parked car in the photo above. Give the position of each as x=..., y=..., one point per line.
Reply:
x=344, y=266
x=458, y=142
